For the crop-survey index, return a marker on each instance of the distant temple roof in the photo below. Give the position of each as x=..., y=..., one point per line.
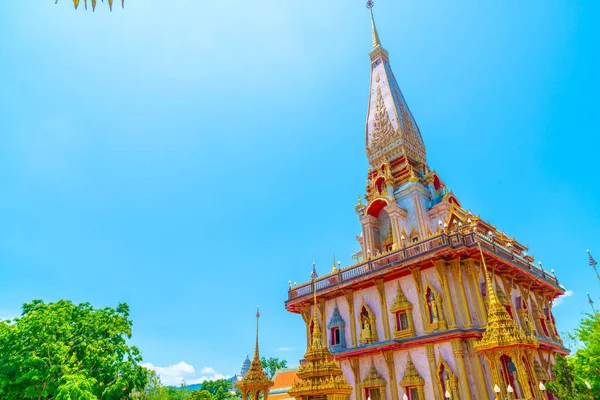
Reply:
x=284, y=378
x=245, y=366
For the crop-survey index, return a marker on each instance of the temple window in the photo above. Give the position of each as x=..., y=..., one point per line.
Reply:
x=373, y=385
x=368, y=330
x=447, y=381
x=337, y=327
x=412, y=383
x=402, y=310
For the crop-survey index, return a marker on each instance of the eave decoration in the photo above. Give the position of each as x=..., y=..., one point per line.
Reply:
x=110, y=4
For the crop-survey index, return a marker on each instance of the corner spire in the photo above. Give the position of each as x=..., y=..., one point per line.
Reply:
x=376, y=41
x=256, y=356
x=316, y=334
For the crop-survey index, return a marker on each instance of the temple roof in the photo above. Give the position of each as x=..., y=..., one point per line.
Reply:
x=391, y=129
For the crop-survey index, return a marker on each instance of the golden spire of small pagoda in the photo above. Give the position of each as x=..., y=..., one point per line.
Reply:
x=320, y=374
x=255, y=381
x=501, y=330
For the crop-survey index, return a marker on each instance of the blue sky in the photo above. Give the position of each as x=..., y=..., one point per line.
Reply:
x=191, y=157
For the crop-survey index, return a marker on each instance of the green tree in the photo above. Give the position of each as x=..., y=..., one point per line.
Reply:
x=200, y=394
x=67, y=351
x=271, y=365
x=575, y=372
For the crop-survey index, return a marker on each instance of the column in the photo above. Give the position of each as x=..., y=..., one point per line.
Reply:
x=440, y=268
x=459, y=355
x=416, y=274
x=466, y=312
x=307, y=318
x=323, y=321
x=396, y=214
x=355, y=363
x=473, y=273
x=391, y=368
x=433, y=375
x=370, y=226
x=481, y=384
x=349, y=294
x=384, y=309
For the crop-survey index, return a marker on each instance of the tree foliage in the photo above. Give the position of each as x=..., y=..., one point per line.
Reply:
x=573, y=372
x=67, y=351
x=271, y=365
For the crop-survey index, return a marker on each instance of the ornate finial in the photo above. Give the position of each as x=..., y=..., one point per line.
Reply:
x=334, y=269
x=257, y=317
x=376, y=41
x=314, y=274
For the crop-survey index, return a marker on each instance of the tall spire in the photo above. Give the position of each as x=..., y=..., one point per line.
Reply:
x=316, y=334
x=376, y=41
x=392, y=131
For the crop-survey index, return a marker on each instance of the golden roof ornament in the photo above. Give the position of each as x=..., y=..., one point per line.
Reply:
x=501, y=330
x=411, y=375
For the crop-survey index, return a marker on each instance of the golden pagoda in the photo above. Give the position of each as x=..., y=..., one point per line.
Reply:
x=504, y=338
x=321, y=376
x=255, y=382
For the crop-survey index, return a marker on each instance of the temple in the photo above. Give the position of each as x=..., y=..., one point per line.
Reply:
x=440, y=303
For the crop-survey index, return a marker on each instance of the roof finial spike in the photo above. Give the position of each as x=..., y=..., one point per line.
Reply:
x=490, y=287
x=256, y=347
x=376, y=41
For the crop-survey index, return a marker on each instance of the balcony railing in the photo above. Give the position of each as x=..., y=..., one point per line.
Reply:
x=393, y=258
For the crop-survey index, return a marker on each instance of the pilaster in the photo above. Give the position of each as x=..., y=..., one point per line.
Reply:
x=391, y=368
x=432, y=373
x=370, y=226
x=459, y=356
x=416, y=274
x=396, y=214
x=473, y=272
x=355, y=364
x=323, y=321
x=306, y=316
x=440, y=268
x=349, y=295
x=456, y=268
x=480, y=383
x=379, y=284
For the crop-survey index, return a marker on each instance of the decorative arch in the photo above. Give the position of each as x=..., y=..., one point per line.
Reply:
x=412, y=382
x=375, y=207
x=368, y=327
x=446, y=379
x=403, y=318
x=374, y=384
x=337, y=328
x=434, y=311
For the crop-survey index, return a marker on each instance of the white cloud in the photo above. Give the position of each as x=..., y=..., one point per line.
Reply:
x=285, y=348
x=174, y=375
x=560, y=299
